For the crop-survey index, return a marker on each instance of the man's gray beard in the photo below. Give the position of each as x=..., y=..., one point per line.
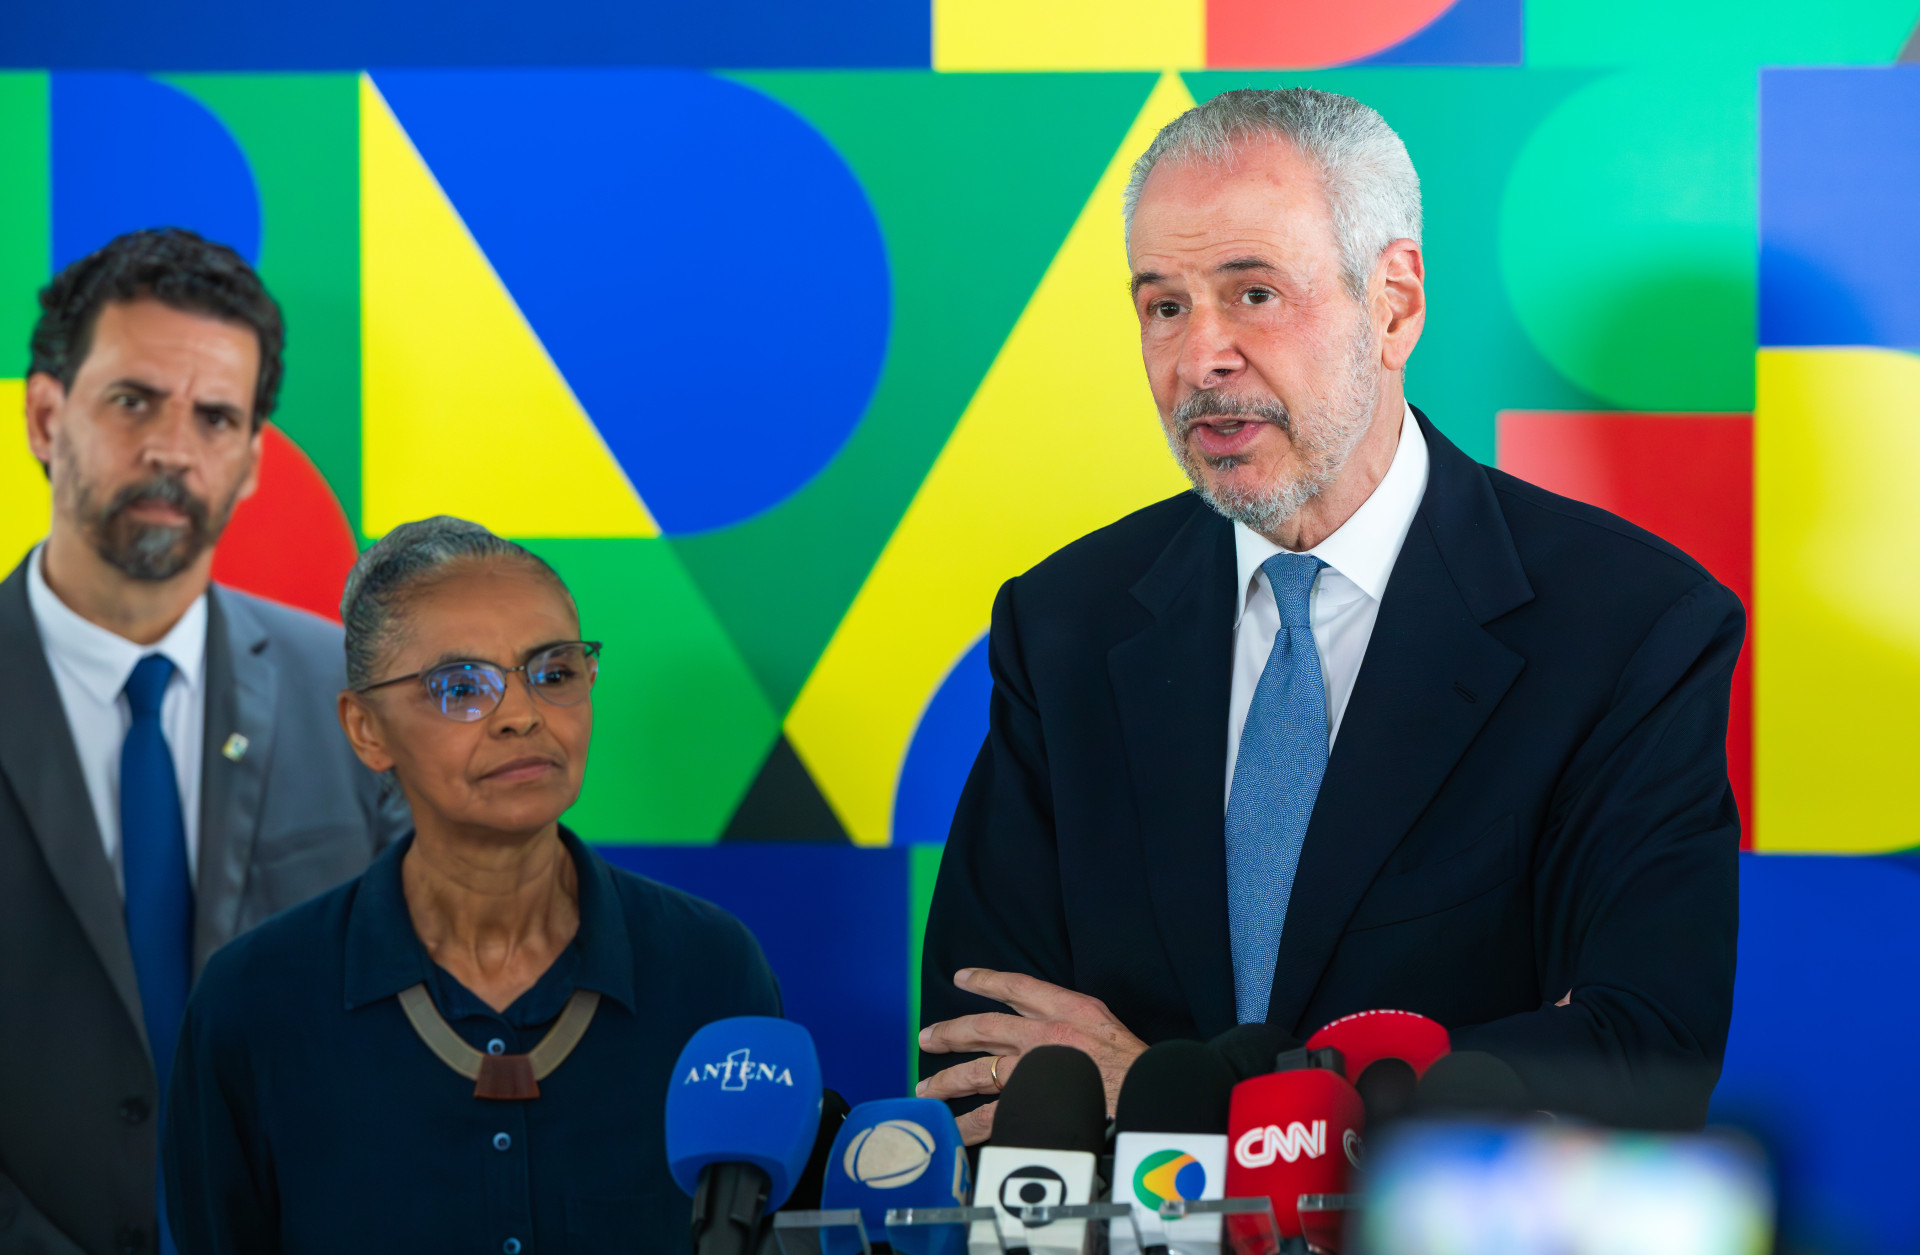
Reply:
x=1322, y=451
x=147, y=551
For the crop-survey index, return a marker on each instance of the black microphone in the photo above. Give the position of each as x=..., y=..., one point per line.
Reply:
x=1387, y=1087
x=1048, y=1131
x=1470, y=1082
x=1171, y=1144
x=812, y=1178
x=1251, y=1048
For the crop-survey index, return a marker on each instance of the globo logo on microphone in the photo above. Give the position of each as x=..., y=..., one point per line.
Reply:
x=1032, y=1186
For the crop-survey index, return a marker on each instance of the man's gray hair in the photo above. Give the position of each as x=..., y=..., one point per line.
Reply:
x=1364, y=169
x=406, y=557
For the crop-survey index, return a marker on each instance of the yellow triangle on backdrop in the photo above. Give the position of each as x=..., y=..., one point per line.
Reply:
x=1060, y=439
x=463, y=412
x=26, y=504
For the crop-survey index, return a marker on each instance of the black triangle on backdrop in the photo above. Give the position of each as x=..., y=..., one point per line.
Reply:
x=784, y=804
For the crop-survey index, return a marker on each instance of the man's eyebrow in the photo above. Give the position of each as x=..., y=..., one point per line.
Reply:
x=135, y=385
x=1143, y=277
x=1245, y=263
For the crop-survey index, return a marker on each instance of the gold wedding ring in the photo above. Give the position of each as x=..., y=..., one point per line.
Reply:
x=994, y=1072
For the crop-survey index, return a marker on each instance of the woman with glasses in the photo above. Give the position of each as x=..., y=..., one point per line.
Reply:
x=468, y=1047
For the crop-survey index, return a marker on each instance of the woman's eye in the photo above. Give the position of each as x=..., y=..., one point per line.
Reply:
x=553, y=675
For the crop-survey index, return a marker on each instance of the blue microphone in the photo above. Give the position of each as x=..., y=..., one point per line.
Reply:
x=898, y=1152
x=743, y=1110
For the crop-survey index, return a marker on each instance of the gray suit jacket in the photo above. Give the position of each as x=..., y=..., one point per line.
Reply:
x=296, y=815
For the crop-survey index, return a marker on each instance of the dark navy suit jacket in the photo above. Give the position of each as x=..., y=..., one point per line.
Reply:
x=1528, y=796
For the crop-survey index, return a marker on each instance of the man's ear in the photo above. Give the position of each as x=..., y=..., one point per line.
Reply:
x=1402, y=279
x=45, y=398
x=362, y=726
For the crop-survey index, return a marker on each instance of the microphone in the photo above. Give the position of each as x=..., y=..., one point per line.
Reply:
x=743, y=1112
x=1293, y=1133
x=1252, y=1048
x=1367, y=1036
x=1386, y=1088
x=898, y=1152
x=1171, y=1146
x=1471, y=1082
x=1047, y=1131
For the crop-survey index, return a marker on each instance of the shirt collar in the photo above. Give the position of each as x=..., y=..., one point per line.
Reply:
x=1364, y=547
x=102, y=660
x=384, y=954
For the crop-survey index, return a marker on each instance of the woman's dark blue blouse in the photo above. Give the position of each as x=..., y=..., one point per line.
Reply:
x=305, y=1116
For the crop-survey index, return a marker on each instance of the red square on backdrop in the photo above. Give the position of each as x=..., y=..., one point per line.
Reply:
x=1687, y=478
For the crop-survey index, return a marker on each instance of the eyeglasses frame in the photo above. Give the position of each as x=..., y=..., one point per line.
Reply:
x=592, y=649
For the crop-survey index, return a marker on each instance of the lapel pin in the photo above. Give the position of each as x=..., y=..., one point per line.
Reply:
x=236, y=748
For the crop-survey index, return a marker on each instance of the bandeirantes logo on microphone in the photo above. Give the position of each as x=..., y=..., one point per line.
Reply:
x=1259, y=1147
x=737, y=1071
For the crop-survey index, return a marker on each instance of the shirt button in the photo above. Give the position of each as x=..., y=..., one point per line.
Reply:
x=511, y=1246
x=501, y=1141
x=135, y=1110
x=496, y=1047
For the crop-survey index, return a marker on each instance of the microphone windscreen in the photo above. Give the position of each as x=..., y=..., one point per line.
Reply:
x=1053, y=1101
x=1369, y=1035
x=745, y=1090
x=1387, y=1089
x=1250, y=1049
x=806, y=1190
x=1176, y=1087
x=898, y=1152
x=1293, y=1133
x=1471, y=1082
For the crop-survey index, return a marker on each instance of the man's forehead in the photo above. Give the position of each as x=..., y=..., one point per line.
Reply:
x=1266, y=199
x=151, y=335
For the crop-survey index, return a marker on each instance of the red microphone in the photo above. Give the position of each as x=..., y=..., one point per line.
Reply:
x=1292, y=1133
x=1367, y=1036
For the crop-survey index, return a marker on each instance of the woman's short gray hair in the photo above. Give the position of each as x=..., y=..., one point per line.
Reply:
x=406, y=557
x=1369, y=180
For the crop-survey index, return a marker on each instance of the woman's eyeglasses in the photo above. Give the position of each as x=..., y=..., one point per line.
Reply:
x=468, y=691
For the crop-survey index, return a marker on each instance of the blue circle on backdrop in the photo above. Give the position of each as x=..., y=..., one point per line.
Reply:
x=128, y=152
x=944, y=746
x=699, y=262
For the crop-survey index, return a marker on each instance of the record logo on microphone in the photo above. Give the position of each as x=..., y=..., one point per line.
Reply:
x=889, y=1155
x=1258, y=1147
x=1168, y=1176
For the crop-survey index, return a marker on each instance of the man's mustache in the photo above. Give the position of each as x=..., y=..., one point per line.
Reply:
x=157, y=490
x=1225, y=405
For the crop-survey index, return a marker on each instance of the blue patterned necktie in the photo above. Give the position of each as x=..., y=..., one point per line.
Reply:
x=1283, y=755
x=153, y=859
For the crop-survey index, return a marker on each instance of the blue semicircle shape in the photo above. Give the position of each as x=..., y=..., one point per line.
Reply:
x=699, y=262
x=129, y=152
x=942, y=751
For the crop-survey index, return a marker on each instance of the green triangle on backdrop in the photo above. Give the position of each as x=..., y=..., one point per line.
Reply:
x=976, y=180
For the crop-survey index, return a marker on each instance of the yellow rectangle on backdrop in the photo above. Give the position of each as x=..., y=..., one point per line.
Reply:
x=1069, y=34
x=1837, y=600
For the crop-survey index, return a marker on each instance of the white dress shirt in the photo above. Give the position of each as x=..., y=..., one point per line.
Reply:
x=1346, y=594
x=90, y=668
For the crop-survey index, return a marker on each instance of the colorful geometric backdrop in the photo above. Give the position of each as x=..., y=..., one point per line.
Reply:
x=787, y=333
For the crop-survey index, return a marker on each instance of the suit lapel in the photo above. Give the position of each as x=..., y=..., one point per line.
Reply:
x=242, y=691
x=1431, y=677
x=42, y=768
x=1171, y=683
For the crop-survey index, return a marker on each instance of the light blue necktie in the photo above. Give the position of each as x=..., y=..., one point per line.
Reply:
x=1283, y=755
x=153, y=859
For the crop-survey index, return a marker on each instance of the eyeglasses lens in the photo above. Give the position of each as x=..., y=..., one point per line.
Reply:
x=466, y=691
x=563, y=675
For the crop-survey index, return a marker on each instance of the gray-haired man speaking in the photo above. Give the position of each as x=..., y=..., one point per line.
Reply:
x=1357, y=723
